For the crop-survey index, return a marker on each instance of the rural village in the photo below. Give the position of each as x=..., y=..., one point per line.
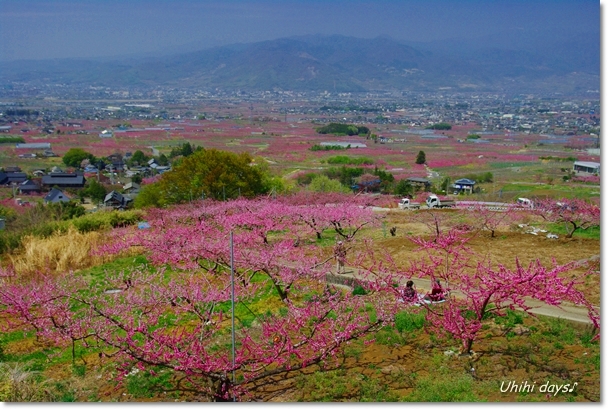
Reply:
x=496, y=166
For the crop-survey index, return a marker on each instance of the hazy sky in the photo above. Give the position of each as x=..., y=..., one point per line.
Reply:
x=38, y=29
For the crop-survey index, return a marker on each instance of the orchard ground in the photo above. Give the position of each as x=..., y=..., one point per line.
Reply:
x=414, y=366
x=399, y=364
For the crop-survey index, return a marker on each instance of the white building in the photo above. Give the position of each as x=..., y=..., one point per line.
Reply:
x=586, y=167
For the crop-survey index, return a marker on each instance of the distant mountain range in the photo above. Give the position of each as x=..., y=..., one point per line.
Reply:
x=517, y=62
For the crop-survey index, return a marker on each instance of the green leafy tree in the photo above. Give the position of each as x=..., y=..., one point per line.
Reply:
x=445, y=184
x=403, y=188
x=150, y=196
x=386, y=179
x=317, y=147
x=74, y=157
x=440, y=126
x=481, y=178
x=362, y=130
x=137, y=178
x=65, y=210
x=187, y=149
x=139, y=157
x=7, y=213
x=322, y=183
x=346, y=175
x=306, y=178
x=96, y=191
x=162, y=160
x=216, y=174
x=421, y=158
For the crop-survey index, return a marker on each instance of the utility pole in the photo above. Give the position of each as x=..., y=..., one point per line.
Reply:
x=232, y=307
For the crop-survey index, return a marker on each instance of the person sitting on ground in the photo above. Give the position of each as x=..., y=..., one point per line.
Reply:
x=437, y=293
x=409, y=293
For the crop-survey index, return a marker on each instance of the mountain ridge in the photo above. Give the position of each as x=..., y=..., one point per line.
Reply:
x=341, y=64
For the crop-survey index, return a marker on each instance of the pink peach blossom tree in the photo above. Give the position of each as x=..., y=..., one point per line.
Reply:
x=175, y=316
x=477, y=289
x=576, y=214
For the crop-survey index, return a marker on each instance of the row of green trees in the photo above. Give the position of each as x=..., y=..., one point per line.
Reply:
x=317, y=147
x=345, y=159
x=439, y=126
x=343, y=129
x=11, y=139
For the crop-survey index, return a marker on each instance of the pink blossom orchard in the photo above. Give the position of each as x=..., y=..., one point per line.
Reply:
x=476, y=287
x=575, y=214
x=175, y=317
x=479, y=288
x=490, y=219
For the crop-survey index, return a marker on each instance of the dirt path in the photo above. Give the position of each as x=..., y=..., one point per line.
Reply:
x=565, y=311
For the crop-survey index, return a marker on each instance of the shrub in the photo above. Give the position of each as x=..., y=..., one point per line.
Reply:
x=325, y=386
x=145, y=385
x=449, y=388
x=511, y=319
x=408, y=322
x=346, y=160
x=560, y=329
x=9, y=241
x=421, y=158
x=106, y=220
x=373, y=390
x=558, y=159
x=323, y=184
x=318, y=147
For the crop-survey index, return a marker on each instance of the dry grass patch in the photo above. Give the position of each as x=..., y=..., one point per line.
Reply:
x=61, y=252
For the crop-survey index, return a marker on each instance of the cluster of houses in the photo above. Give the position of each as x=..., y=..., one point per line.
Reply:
x=116, y=163
x=114, y=199
x=55, y=181
x=464, y=185
x=13, y=176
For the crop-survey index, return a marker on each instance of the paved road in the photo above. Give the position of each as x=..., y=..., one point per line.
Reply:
x=565, y=311
x=155, y=152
